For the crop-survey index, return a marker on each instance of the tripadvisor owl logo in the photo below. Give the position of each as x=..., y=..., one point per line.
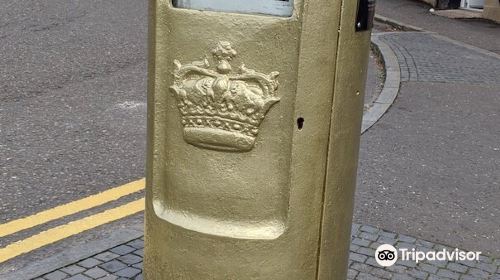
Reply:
x=386, y=255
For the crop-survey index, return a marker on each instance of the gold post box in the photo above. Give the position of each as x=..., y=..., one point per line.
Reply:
x=254, y=116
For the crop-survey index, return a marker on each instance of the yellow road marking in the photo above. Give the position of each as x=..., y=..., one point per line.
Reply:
x=70, y=208
x=55, y=234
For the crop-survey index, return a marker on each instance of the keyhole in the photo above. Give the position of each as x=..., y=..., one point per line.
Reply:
x=300, y=123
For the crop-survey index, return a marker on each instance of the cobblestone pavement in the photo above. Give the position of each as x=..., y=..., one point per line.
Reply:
x=363, y=265
x=424, y=57
x=125, y=261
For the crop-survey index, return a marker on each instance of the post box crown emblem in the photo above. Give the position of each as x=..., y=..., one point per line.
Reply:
x=222, y=109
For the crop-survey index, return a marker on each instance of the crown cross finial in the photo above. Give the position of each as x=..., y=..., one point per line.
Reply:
x=224, y=53
x=220, y=110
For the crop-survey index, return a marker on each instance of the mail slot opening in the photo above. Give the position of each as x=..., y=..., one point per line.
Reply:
x=282, y=8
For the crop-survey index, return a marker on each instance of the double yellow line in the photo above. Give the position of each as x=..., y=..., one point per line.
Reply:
x=63, y=231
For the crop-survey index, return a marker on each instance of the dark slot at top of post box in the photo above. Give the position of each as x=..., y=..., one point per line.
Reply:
x=282, y=8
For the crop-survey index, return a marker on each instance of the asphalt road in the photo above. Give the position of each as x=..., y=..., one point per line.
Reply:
x=425, y=171
x=374, y=79
x=72, y=100
x=430, y=166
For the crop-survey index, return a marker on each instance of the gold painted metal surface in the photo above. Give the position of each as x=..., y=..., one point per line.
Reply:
x=226, y=202
x=222, y=110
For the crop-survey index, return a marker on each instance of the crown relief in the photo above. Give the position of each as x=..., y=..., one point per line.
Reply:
x=222, y=109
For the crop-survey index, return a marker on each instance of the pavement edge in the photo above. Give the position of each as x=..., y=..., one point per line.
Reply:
x=391, y=84
x=397, y=24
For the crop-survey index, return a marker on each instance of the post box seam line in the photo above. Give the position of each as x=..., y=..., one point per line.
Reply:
x=325, y=179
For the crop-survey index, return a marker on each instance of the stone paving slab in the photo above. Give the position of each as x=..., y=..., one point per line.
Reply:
x=391, y=85
x=125, y=261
